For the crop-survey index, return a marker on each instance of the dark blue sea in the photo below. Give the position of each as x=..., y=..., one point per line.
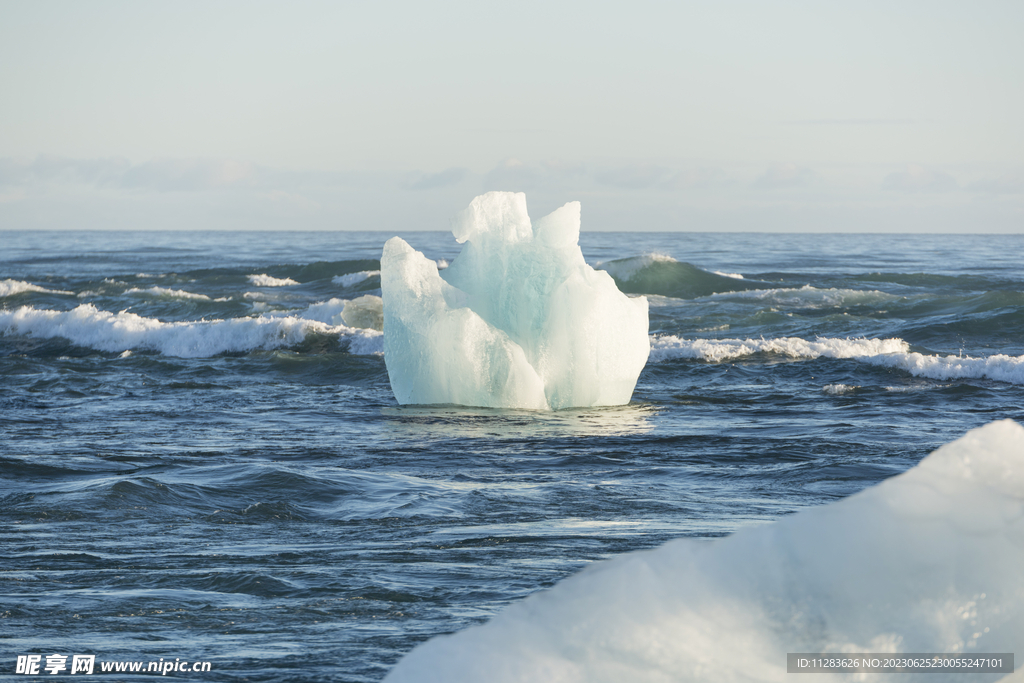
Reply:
x=201, y=457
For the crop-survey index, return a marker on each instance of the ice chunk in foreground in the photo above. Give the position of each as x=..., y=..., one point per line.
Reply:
x=928, y=561
x=518, y=320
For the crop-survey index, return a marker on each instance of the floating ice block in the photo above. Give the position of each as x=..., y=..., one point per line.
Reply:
x=931, y=560
x=518, y=320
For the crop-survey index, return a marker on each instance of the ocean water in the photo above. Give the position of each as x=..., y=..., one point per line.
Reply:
x=201, y=458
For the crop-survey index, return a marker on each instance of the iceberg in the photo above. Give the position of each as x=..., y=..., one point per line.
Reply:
x=518, y=320
x=926, y=561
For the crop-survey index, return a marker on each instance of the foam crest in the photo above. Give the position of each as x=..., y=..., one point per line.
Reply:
x=116, y=332
x=663, y=275
x=168, y=293
x=627, y=268
x=717, y=350
x=12, y=287
x=890, y=353
x=811, y=297
x=365, y=312
x=927, y=561
x=354, y=278
x=839, y=389
x=1001, y=367
x=264, y=280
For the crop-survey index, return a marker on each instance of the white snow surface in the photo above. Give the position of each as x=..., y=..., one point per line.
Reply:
x=927, y=561
x=518, y=320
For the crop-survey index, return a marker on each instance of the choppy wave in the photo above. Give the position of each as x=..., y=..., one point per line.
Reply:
x=890, y=353
x=168, y=293
x=362, y=312
x=321, y=270
x=264, y=280
x=116, y=332
x=717, y=350
x=999, y=367
x=11, y=287
x=354, y=278
x=812, y=297
x=927, y=561
x=665, y=276
x=358, y=322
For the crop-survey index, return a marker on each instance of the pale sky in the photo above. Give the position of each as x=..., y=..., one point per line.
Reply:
x=710, y=116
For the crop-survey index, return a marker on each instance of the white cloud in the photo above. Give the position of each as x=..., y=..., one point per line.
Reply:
x=658, y=177
x=433, y=181
x=290, y=198
x=513, y=175
x=109, y=193
x=161, y=175
x=783, y=176
x=7, y=196
x=919, y=179
x=851, y=122
x=635, y=177
x=188, y=175
x=699, y=178
x=1009, y=183
x=53, y=169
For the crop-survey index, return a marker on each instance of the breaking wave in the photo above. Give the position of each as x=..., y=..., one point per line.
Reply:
x=264, y=280
x=117, y=332
x=354, y=278
x=665, y=276
x=890, y=353
x=168, y=293
x=12, y=287
x=717, y=350
x=812, y=297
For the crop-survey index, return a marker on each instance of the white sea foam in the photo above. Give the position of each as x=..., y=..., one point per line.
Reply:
x=364, y=312
x=718, y=350
x=328, y=312
x=264, y=280
x=890, y=353
x=168, y=293
x=354, y=278
x=12, y=287
x=1000, y=367
x=105, y=331
x=735, y=276
x=839, y=389
x=811, y=297
x=927, y=561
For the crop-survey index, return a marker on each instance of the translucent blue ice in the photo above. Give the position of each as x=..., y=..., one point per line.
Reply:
x=519, y=320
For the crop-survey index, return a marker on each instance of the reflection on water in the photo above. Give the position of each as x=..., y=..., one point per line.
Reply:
x=451, y=421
